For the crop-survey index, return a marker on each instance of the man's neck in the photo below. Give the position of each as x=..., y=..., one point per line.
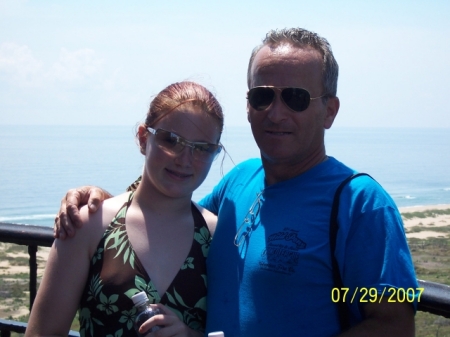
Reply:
x=280, y=171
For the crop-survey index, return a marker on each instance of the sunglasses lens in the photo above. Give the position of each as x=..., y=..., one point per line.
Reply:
x=206, y=152
x=205, y=148
x=260, y=98
x=296, y=98
x=168, y=141
x=174, y=144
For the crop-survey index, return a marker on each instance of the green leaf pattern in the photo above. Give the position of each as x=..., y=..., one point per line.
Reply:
x=142, y=285
x=118, y=333
x=98, y=255
x=107, y=303
x=188, y=315
x=95, y=286
x=203, y=237
x=188, y=263
x=128, y=317
x=119, y=238
x=99, y=300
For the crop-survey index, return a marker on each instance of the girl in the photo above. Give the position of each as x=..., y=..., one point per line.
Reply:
x=157, y=240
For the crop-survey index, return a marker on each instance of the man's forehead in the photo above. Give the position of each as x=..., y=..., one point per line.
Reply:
x=286, y=52
x=282, y=48
x=281, y=62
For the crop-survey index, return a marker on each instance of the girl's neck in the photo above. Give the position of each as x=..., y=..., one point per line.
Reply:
x=149, y=199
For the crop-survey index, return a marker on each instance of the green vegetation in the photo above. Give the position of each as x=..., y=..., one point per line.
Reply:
x=432, y=263
x=432, y=213
x=14, y=291
x=429, y=325
x=431, y=259
x=416, y=229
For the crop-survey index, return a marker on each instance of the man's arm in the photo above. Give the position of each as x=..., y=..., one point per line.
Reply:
x=68, y=218
x=376, y=233
x=385, y=319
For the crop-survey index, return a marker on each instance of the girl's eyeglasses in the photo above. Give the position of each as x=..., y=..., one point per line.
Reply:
x=249, y=224
x=173, y=144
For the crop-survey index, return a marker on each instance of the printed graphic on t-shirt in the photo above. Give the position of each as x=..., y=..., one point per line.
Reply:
x=282, y=252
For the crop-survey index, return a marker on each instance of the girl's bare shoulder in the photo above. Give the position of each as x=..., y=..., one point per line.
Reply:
x=94, y=224
x=112, y=205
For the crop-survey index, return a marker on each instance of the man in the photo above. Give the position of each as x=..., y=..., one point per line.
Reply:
x=269, y=265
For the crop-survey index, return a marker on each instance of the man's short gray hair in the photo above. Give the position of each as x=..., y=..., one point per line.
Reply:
x=299, y=37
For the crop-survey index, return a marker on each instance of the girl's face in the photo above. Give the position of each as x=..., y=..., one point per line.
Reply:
x=178, y=173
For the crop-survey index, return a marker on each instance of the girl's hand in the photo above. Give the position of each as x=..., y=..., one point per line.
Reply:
x=169, y=323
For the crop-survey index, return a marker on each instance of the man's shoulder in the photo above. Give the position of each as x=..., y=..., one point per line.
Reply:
x=362, y=185
x=330, y=172
x=339, y=172
x=252, y=163
x=338, y=167
x=243, y=175
x=244, y=169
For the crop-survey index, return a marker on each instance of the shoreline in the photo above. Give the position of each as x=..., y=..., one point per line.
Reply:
x=423, y=208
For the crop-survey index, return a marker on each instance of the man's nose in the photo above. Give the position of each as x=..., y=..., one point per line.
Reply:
x=277, y=111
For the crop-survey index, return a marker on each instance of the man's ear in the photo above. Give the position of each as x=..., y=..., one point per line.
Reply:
x=248, y=110
x=142, y=136
x=332, y=111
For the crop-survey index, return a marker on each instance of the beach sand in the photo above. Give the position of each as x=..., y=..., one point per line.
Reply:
x=16, y=276
x=416, y=227
x=423, y=226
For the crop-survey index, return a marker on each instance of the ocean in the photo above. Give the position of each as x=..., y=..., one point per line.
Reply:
x=38, y=164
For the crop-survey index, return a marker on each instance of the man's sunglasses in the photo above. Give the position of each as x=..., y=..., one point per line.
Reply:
x=173, y=144
x=296, y=99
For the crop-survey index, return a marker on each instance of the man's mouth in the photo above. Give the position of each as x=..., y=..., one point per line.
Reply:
x=278, y=133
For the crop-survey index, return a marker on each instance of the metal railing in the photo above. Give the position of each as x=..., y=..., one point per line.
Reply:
x=435, y=298
x=31, y=236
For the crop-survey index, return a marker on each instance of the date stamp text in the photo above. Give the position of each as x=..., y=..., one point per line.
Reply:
x=372, y=295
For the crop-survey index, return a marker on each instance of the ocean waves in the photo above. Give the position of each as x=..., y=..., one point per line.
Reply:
x=37, y=170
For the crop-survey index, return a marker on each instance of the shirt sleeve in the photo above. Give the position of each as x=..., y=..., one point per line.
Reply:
x=210, y=201
x=373, y=254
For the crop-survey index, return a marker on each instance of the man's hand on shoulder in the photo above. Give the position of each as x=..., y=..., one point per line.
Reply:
x=68, y=218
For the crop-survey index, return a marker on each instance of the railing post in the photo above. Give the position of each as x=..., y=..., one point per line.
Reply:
x=32, y=250
x=5, y=333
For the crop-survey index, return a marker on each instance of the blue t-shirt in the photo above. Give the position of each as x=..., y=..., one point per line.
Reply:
x=278, y=281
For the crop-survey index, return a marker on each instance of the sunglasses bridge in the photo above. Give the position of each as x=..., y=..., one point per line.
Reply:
x=182, y=143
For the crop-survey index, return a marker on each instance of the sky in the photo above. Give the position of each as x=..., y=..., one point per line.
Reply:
x=101, y=62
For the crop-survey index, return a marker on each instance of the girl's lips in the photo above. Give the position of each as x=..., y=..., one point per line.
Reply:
x=179, y=175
